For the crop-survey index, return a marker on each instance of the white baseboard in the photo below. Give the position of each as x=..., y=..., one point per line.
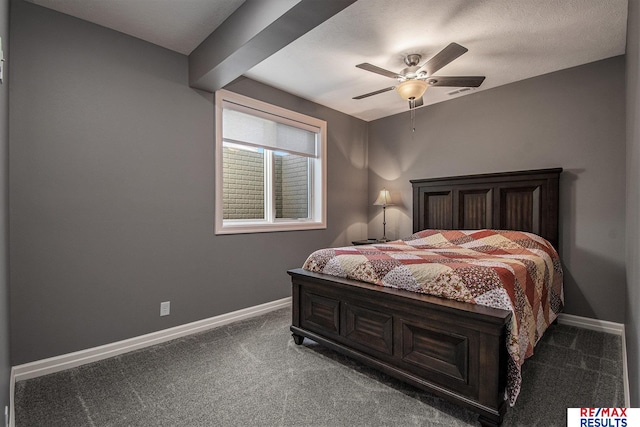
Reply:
x=606, y=327
x=592, y=324
x=12, y=389
x=625, y=373
x=78, y=358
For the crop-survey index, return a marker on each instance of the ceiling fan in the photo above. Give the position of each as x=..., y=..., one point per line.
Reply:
x=414, y=80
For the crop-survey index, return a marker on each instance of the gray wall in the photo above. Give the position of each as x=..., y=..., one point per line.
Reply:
x=111, y=191
x=5, y=365
x=574, y=119
x=632, y=322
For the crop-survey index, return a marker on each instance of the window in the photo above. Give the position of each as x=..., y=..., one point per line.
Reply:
x=270, y=167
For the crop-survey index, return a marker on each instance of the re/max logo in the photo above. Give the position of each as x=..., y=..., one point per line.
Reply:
x=603, y=412
x=603, y=417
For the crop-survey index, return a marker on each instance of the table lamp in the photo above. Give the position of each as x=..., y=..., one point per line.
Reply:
x=384, y=200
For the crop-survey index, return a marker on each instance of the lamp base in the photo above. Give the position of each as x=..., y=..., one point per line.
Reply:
x=383, y=240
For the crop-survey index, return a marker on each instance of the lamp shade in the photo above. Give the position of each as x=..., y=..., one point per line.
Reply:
x=384, y=198
x=412, y=89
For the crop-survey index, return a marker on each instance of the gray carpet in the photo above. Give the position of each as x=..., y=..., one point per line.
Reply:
x=250, y=373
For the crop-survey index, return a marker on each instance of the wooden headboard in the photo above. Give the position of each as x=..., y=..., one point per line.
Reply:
x=523, y=200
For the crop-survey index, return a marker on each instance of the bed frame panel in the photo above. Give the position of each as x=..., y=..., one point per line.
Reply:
x=455, y=350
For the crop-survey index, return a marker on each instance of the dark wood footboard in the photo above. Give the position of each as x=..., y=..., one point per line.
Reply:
x=452, y=349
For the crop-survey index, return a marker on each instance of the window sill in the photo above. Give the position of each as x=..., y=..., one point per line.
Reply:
x=268, y=228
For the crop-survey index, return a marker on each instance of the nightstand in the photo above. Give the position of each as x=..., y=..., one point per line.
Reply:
x=364, y=242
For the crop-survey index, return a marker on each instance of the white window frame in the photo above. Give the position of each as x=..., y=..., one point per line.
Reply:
x=318, y=173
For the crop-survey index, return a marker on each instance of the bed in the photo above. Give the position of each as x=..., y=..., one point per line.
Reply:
x=454, y=349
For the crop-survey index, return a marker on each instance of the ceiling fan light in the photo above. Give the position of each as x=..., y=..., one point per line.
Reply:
x=409, y=89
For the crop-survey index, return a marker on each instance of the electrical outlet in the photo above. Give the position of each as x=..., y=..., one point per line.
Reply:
x=165, y=308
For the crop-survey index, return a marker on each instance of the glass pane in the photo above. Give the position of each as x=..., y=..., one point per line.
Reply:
x=291, y=176
x=243, y=182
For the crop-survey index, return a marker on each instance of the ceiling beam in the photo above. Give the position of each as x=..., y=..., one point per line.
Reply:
x=255, y=31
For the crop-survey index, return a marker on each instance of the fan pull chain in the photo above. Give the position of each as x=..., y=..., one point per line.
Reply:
x=412, y=109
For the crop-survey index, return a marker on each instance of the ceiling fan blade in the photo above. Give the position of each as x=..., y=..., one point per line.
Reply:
x=370, y=67
x=374, y=93
x=459, y=81
x=444, y=57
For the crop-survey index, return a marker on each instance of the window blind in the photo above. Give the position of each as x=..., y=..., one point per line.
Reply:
x=245, y=128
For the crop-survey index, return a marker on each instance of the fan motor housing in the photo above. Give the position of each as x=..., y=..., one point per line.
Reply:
x=412, y=59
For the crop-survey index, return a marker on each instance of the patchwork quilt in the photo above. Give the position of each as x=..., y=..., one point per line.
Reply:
x=510, y=270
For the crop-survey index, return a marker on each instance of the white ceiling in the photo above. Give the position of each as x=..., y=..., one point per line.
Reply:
x=508, y=40
x=178, y=25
